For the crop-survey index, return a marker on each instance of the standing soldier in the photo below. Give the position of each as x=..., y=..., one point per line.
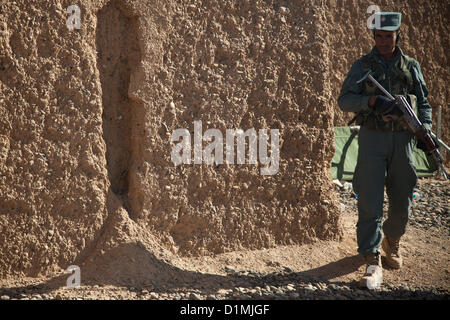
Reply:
x=385, y=145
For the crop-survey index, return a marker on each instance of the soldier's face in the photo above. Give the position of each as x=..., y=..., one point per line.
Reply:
x=385, y=41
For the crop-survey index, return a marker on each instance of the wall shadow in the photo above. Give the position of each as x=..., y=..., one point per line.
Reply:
x=146, y=271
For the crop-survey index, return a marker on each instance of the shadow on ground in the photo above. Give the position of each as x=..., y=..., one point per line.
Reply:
x=133, y=268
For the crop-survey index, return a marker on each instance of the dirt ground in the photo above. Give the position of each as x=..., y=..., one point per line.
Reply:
x=322, y=264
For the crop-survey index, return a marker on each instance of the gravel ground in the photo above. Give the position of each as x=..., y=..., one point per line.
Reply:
x=431, y=212
x=276, y=286
x=431, y=205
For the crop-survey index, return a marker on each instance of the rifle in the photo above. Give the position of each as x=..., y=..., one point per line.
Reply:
x=414, y=125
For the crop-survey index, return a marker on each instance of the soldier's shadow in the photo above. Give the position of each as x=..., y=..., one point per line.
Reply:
x=335, y=269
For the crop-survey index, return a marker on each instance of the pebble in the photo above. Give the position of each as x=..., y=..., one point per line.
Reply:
x=4, y=297
x=154, y=295
x=273, y=288
x=310, y=287
x=230, y=269
x=290, y=287
x=242, y=290
x=224, y=291
x=195, y=296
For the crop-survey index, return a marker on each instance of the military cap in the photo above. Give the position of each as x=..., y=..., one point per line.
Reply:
x=387, y=21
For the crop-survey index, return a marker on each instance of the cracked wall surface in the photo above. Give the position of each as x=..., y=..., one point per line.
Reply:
x=118, y=56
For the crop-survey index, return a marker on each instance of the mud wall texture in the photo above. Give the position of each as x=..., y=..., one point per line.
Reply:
x=86, y=118
x=425, y=36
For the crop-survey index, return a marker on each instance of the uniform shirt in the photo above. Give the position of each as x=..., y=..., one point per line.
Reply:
x=352, y=99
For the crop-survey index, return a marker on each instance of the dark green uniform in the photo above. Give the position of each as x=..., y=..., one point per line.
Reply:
x=385, y=148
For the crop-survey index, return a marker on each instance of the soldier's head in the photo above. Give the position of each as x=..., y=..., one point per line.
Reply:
x=385, y=41
x=386, y=31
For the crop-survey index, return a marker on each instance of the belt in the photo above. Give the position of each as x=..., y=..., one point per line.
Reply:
x=379, y=125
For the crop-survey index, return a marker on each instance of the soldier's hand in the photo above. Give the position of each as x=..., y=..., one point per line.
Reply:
x=386, y=107
x=426, y=147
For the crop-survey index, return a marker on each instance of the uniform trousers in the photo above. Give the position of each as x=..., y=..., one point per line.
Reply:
x=385, y=159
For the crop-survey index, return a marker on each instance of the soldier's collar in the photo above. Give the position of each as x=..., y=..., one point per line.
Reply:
x=397, y=53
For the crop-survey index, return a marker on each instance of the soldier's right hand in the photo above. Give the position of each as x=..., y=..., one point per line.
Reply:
x=384, y=106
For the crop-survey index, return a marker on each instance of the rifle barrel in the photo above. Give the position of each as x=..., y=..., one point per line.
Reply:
x=380, y=87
